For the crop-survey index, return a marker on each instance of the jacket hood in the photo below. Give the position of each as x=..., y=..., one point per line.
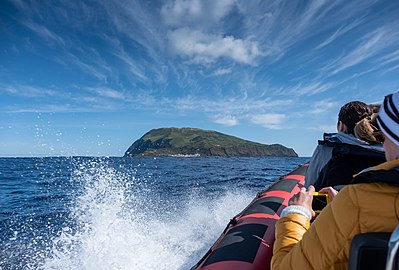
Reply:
x=334, y=138
x=350, y=139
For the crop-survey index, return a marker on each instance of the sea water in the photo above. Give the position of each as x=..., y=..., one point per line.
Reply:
x=123, y=213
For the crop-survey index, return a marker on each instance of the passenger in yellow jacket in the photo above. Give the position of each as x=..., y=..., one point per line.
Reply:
x=370, y=204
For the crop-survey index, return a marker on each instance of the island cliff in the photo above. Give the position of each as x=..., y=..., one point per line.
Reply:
x=198, y=142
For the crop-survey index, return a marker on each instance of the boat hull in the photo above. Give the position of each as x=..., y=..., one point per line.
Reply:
x=247, y=241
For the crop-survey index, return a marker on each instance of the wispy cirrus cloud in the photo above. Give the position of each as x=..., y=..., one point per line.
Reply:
x=339, y=32
x=369, y=46
x=98, y=70
x=68, y=100
x=109, y=93
x=311, y=88
x=45, y=33
x=130, y=53
x=30, y=91
x=300, y=20
x=389, y=58
x=233, y=112
x=86, y=57
x=48, y=108
x=134, y=67
x=233, y=106
x=388, y=63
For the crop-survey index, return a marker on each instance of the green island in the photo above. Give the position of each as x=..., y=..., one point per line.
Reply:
x=191, y=142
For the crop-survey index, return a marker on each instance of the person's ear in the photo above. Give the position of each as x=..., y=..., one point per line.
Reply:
x=341, y=127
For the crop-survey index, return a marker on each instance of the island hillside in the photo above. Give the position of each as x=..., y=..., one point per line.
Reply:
x=198, y=142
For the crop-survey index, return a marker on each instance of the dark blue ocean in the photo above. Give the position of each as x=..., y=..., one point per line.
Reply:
x=123, y=213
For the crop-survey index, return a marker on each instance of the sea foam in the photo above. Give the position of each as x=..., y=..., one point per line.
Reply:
x=120, y=224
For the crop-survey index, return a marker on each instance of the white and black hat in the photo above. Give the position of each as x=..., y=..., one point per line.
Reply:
x=388, y=117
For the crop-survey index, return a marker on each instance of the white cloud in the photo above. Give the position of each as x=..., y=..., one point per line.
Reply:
x=369, y=46
x=109, y=93
x=326, y=128
x=30, y=91
x=310, y=89
x=206, y=48
x=195, y=13
x=339, y=32
x=175, y=13
x=134, y=67
x=226, y=120
x=271, y=120
x=49, y=108
x=323, y=105
x=95, y=69
x=45, y=33
x=222, y=71
x=389, y=59
x=281, y=25
x=196, y=32
x=232, y=106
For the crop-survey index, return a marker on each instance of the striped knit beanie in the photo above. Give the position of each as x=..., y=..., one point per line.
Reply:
x=388, y=117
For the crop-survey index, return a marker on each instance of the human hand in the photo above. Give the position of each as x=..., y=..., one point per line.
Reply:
x=330, y=191
x=304, y=198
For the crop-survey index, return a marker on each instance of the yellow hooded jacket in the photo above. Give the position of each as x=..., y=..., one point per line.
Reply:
x=358, y=208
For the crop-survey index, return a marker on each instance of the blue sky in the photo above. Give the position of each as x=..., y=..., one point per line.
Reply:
x=91, y=77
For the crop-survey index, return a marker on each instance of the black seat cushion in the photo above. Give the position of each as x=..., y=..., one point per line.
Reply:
x=369, y=251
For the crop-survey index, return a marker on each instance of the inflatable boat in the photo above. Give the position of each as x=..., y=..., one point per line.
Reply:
x=247, y=241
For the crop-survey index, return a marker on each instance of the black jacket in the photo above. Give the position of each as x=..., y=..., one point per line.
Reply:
x=377, y=176
x=346, y=161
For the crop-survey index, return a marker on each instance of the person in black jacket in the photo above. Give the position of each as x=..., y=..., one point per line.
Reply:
x=349, y=114
x=348, y=159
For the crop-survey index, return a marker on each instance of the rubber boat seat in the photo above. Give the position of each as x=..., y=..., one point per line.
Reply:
x=375, y=250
